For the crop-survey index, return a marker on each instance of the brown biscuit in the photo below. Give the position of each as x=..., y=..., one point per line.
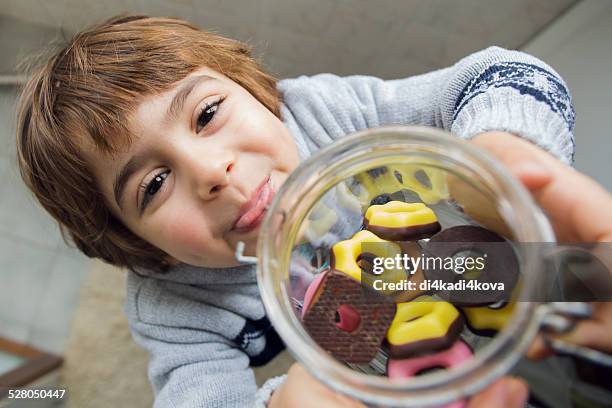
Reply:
x=339, y=291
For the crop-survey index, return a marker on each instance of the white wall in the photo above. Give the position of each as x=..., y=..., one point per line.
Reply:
x=579, y=46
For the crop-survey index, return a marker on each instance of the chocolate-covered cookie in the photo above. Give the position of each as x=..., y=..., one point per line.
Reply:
x=346, y=319
x=494, y=278
x=423, y=326
x=488, y=320
x=400, y=221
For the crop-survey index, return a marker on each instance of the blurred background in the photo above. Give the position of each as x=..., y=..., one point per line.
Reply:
x=53, y=299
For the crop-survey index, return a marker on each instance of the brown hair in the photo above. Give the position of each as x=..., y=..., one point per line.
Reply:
x=86, y=91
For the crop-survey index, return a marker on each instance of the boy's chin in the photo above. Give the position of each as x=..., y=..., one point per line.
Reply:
x=227, y=260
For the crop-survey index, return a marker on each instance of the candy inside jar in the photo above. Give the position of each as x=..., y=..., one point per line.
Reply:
x=414, y=327
x=364, y=272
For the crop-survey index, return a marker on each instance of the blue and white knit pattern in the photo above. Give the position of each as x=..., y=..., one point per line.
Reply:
x=527, y=79
x=513, y=92
x=259, y=341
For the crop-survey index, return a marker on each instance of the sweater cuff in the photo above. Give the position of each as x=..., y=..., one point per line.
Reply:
x=507, y=109
x=262, y=397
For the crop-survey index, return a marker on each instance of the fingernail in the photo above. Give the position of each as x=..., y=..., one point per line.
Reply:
x=530, y=167
x=532, y=174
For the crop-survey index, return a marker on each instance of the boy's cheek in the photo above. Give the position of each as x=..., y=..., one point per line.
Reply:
x=274, y=142
x=185, y=239
x=265, y=134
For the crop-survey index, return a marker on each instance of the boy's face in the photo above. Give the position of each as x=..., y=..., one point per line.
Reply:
x=206, y=159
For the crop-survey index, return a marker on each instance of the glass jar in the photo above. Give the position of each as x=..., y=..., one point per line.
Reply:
x=456, y=179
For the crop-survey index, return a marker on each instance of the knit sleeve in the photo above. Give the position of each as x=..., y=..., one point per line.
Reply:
x=191, y=363
x=511, y=91
x=206, y=371
x=494, y=89
x=265, y=392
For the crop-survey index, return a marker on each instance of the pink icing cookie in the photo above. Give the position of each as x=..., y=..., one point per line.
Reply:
x=312, y=290
x=409, y=367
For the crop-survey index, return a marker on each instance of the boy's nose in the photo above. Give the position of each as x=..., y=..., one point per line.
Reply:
x=211, y=173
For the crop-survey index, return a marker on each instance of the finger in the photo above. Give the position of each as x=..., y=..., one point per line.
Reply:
x=590, y=333
x=538, y=349
x=344, y=402
x=536, y=176
x=533, y=175
x=331, y=397
x=579, y=208
x=508, y=392
x=510, y=149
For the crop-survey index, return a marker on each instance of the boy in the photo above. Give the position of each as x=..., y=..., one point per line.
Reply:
x=156, y=147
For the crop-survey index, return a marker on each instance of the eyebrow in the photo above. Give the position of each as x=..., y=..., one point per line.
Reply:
x=178, y=101
x=135, y=162
x=124, y=175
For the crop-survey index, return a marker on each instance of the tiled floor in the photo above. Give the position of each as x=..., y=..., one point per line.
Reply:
x=39, y=275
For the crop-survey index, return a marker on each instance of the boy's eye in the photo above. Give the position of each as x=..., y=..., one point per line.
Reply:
x=207, y=114
x=149, y=190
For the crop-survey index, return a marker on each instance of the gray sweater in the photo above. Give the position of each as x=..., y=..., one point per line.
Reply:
x=204, y=328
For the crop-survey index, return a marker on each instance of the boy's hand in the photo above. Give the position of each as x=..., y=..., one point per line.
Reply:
x=507, y=392
x=579, y=209
x=300, y=389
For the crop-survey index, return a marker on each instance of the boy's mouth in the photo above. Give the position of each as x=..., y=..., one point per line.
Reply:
x=252, y=212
